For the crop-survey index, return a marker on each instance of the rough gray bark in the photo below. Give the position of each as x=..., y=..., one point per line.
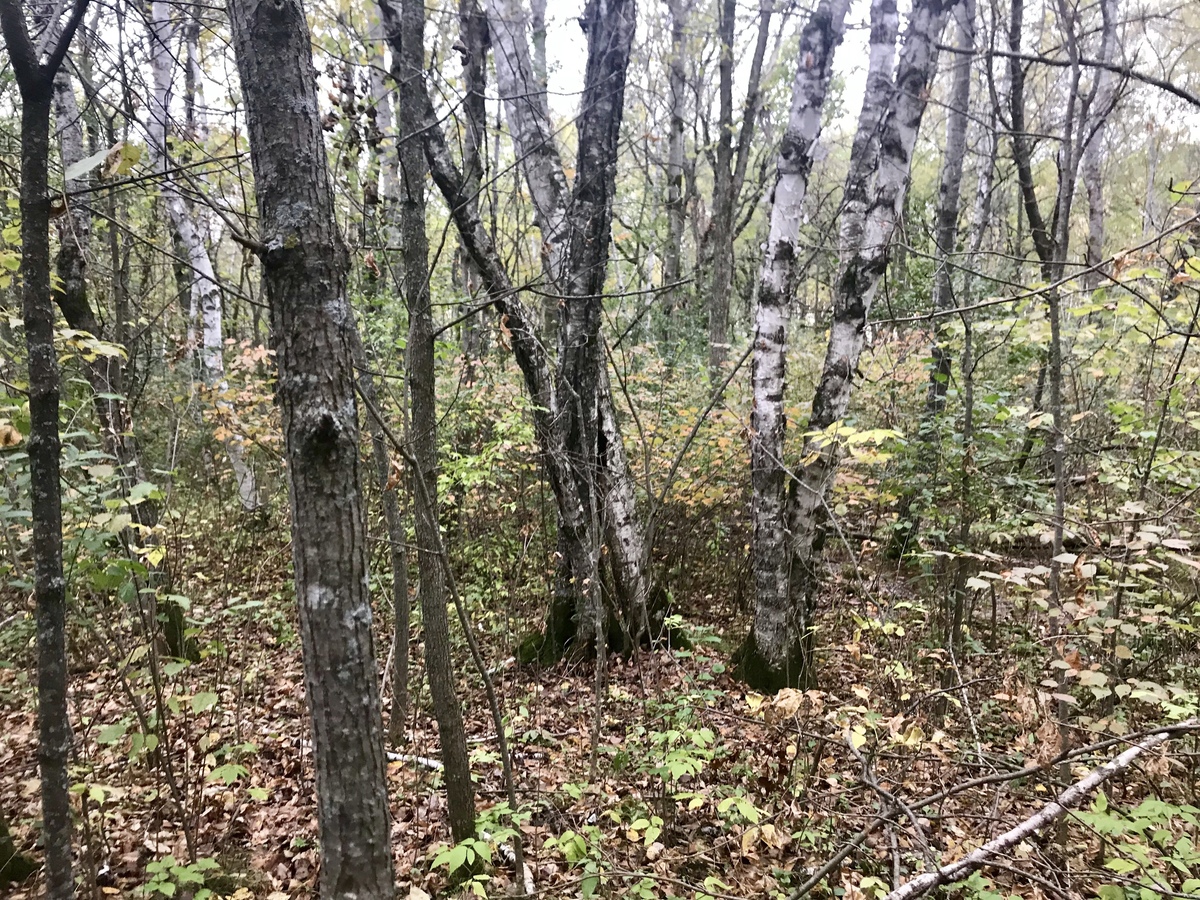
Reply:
x=780, y=652
x=680, y=11
x=305, y=267
x=1101, y=101
x=729, y=174
x=205, y=292
x=408, y=69
x=35, y=80
x=772, y=652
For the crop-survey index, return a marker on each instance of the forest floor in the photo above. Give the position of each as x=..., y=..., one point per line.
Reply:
x=701, y=788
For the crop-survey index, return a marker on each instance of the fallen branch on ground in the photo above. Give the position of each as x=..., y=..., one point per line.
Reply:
x=1049, y=813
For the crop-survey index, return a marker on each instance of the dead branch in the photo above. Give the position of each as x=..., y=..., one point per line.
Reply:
x=1049, y=813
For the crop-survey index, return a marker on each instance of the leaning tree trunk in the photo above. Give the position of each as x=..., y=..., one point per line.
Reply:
x=408, y=66
x=35, y=80
x=205, y=298
x=771, y=655
x=305, y=266
x=787, y=659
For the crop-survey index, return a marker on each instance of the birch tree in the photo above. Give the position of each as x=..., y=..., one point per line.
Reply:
x=305, y=266
x=575, y=420
x=205, y=292
x=779, y=650
x=772, y=650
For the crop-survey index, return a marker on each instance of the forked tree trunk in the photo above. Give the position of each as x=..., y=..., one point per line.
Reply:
x=408, y=68
x=771, y=653
x=205, y=296
x=35, y=80
x=593, y=486
x=305, y=266
x=780, y=652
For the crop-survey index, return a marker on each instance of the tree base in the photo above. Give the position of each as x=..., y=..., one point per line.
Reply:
x=14, y=867
x=756, y=671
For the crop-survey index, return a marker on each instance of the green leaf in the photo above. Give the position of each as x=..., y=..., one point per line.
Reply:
x=110, y=734
x=204, y=701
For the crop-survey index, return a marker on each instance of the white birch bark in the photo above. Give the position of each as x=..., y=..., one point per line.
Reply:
x=864, y=151
x=205, y=292
x=528, y=115
x=772, y=649
x=861, y=271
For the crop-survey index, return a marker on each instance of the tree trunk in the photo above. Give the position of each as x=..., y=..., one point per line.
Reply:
x=408, y=67
x=305, y=266
x=672, y=298
x=35, y=80
x=383, y=178
x=475, y=40
x=1101, y=101
x=787, y=658
x=945, y=242
x=864, y=150
x=205, y=293
x=771, y=655
x=397, y=546
x=729, y=174
x=593, y=487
